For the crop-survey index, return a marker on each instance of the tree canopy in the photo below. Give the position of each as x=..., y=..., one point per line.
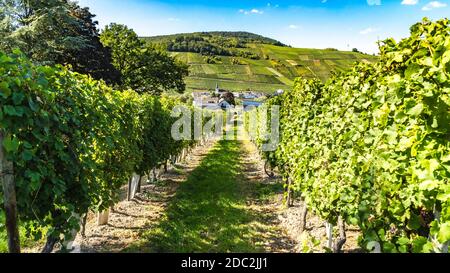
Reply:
x=144, y=67
x=56, y=32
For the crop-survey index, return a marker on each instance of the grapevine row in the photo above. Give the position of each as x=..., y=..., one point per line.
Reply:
x=371, y=147
x=72, y=142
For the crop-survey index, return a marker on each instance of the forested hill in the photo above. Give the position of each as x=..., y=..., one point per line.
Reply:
x=240, y=61
x=218, y=43
x=223, y=38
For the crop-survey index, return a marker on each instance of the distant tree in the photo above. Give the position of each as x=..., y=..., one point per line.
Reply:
x=125, y=49
x=94, y=58
x=56, y=32
x=6, y=23
x=197, y=44
x=247, y=55
x=162, y=72
x=229, y=97
x=236, y=61
x=355, y=50
x=34, y=30
x=212, y=60
x=144, y=67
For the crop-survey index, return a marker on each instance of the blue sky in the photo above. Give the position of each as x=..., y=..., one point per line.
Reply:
x=342, y=24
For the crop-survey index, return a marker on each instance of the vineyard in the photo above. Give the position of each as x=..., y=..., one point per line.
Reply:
x=370, y=148
x=70, y=143
x=366, y=152
x=278, y=71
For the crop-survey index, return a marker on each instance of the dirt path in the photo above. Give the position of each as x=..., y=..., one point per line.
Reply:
x=219, y=201
x=288, y=219
x=223, y=206
x=130, y=219
x=267, y=201
x=313, y=239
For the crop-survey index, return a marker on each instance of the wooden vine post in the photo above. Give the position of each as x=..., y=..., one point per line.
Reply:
x=303, y=217
x=130, y=189
x=154, y=176
x=337, y=247
x=166, y=166
x=9, y=193
x=329, y=232
x=289, y=194
x=134, y=186
x=103, y=217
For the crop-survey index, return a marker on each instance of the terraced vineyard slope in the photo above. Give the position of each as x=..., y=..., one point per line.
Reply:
x=240, y=61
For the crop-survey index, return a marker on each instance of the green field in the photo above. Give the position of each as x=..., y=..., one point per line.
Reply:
x=277, y=69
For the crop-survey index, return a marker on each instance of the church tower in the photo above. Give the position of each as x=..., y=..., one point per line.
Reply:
x=217, y=88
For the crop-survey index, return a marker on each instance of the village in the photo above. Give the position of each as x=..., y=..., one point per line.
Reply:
x=226, y=99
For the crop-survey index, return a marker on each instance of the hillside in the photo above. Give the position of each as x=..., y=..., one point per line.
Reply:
x=215, y=36
x=240, y=61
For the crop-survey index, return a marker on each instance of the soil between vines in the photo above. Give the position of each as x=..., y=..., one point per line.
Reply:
x=276, y=226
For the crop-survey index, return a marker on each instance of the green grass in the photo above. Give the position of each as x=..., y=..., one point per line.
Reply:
x=25, y=241
x=210, y=212
x=267, y=192
x=213, y=211
x=289, y=63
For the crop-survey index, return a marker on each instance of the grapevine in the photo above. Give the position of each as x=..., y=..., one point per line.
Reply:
x=74, y=142
x=372, y=145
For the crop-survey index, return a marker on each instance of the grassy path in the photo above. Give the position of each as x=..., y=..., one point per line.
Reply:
x=216, y=210
x=130, y=219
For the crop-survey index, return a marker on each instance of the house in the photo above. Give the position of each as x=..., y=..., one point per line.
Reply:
x=252, y=95
x=249, y=96
x=204, y=100
x=279, y=92
x=248, y=104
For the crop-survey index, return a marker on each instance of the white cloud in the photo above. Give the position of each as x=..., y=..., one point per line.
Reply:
x=171, y=19
x=256, y=11
x=410, y=2
x=252, y=11
x=294, y=26
x=434, y=5
x=244, y=11
x=369, y=30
